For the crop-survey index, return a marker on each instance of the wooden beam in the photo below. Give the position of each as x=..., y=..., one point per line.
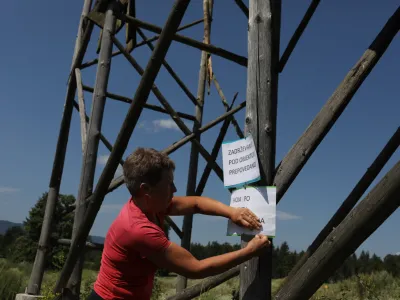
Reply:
x=243, y=7
x=205, y=285
x=297, y=34
x=89, y=161
x=171, y=71
x=299, y=154
x=379, y=45
x=261, y=111
x=215, y=151
x=170, y=110
x=235, y=124
x=130, y=33
x=363, y=220
x=174, y=226
x=154, y=38
x=88, y=245
x=212, y=282
x=98, y=18
x=82, y=110
x=181, y=281
x=147, y=106
x=102, y=137
x=175, y=146
x=135, y=109
x=37, y=272
x=352, y=199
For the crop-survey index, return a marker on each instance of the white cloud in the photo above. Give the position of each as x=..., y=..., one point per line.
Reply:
x=7, y=189
x=398, y=253
x=102, y=160
x=165, y=124
x=284, y=216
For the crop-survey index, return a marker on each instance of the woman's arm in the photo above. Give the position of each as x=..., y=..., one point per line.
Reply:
x=179, y=260
x=203, y=205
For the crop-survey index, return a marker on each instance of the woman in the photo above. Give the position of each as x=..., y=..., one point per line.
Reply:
x=136, y=246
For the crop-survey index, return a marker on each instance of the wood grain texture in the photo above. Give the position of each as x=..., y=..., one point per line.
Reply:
x=261, y=110
x=82, y=109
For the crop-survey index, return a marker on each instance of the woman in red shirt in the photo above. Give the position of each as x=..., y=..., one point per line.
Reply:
x=136, y=246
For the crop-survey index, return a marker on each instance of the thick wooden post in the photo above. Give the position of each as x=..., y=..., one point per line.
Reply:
x=131, y=119
x=35, y=280
x=363, y=184
x=93, y=138
x=362, y=221
x=261, y=110
x=194, y=153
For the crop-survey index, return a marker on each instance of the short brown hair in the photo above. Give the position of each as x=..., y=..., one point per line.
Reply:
x=145, y=165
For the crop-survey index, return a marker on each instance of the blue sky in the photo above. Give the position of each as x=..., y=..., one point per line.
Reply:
x=35, y=61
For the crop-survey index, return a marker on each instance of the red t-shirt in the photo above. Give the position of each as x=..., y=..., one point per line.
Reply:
x=125, y=272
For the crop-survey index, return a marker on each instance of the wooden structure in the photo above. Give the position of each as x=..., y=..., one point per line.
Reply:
x=344, y=233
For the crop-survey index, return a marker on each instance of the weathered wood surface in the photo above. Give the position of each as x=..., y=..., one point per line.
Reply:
x=361, y=187
x=89, y=161
x=98, y=18
x=362, y=221
x=82, y=109
x=299, y=154
x=83, y=37
x=261, y=110
x=297, y=34
x=170, y=110
x=130, y=33
x=171, y=71
x=154, y=38
x=135, y=109
x=181, y=281
x=146, y=105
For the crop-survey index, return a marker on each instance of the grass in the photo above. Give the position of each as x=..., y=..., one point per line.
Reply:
x=377, y=286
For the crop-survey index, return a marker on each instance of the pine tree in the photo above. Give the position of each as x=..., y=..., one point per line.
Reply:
x=24, y=248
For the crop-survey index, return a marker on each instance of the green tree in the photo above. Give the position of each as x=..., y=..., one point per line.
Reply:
x=7, y=241
x=392, y=264
x=25, y=246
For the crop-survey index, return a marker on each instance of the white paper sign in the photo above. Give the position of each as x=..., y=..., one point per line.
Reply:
x=262, y=202
x=240, y=162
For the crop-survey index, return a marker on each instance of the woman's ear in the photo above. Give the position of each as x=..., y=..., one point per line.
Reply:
x=144, y=190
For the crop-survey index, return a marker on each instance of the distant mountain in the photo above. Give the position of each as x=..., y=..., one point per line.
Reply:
x=4, y=225
x=97, y=239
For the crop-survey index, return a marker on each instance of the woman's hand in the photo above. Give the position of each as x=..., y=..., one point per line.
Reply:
x=244, y=217
x=257, y=244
